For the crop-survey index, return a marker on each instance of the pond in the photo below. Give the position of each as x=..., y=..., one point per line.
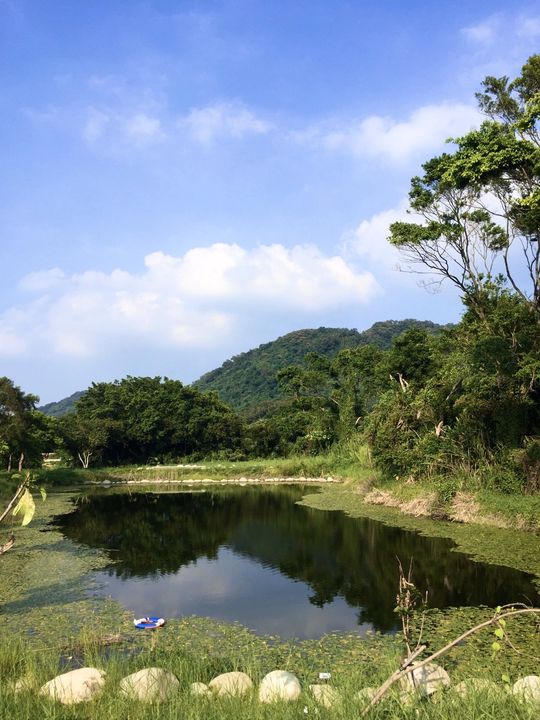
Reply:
x=253, y=556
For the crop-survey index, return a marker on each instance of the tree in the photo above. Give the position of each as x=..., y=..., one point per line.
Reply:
x=479, y=207
x=15, y=421
x=138, y=418
x=82, y=438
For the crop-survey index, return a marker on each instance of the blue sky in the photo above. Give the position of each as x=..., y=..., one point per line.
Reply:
x=182, y=181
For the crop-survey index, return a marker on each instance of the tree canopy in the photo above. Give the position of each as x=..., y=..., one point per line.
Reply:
x=478, y=207
x=140, y=419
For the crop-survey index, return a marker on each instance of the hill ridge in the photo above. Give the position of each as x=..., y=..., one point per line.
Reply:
x=247, y=381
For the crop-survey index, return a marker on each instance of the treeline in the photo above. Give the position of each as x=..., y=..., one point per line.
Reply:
x=134, y=420
x=248, y=381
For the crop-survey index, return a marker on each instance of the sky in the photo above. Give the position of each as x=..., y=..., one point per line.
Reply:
x=182, y=181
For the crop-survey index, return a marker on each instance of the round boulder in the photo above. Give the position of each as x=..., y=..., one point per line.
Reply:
x=231, y=683
x=426, y=679
x=199, y=688
x=325, y=695
x=366, y=695
x=474, y=686
x=279, y=685
x=528, y=688
x=149, y=685
x=75, y=686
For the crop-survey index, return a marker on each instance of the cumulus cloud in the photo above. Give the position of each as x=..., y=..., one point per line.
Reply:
x=426, y=129
x=190, y=301
x=370, y=239
x=223, y=120
x=369, y=242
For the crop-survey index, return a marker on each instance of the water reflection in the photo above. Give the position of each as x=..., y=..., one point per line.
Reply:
x=252, y=555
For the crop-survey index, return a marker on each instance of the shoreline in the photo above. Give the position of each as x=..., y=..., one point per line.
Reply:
x=223, y=481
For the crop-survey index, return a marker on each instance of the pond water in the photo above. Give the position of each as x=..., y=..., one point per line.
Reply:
x=252, y=555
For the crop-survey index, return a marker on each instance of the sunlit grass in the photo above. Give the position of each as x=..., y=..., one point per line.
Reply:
x=18, y=661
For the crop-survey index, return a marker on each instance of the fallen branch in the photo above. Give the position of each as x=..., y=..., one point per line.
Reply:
x=405, y=666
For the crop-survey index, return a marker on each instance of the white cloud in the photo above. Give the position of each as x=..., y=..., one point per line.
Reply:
x=194, y=300
x=370, y=239
x=11, y=344
x=491, y=30
x=94, y=125
x=41, y=280
x=485, y=32
x=144, y=129
x=426, y=129
x=528, y=27
x=498, y=45
x=223, y=120
x=369, y=242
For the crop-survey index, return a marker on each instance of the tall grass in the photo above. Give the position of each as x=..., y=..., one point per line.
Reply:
x=17, y=660
x=347, y=460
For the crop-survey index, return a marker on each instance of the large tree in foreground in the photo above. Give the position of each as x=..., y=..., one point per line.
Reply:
x=479, y=207
x=475, y=412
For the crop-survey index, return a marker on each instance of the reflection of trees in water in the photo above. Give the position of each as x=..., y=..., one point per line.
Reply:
x=148, y=534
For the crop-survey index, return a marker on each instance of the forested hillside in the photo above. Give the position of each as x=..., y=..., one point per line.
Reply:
x=248, y=381
x=62, y=407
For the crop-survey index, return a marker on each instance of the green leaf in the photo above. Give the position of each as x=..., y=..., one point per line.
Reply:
x=496, y=646
x=505, y=678
x=499, y=633
x=26, y=506
x=502, y=623
x=43, y=493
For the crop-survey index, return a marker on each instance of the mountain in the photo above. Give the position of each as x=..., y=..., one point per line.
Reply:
x=247, y=381
x=62, y=407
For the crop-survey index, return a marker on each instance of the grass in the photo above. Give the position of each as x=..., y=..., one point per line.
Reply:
x=354, y=467
x=190, y=665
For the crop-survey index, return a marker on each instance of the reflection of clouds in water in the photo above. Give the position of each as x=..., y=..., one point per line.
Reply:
x=234, y=588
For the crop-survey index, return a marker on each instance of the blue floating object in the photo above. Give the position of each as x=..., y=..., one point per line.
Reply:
x=149, y=623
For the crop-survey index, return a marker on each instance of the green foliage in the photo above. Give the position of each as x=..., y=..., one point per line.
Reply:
x=24, y=433
x=248, y=381
x=468, y=402
x=137, y=419
x=459, y=239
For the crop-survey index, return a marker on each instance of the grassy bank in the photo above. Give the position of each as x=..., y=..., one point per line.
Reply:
x=356, y=468
x=196, y=651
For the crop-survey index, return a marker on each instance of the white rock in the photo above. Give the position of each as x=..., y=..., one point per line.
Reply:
x=426, y=680
x=199, y=688
x=26, y=683
x=231, y=683
x=528, y=688
x=75, y=686
x=477, y=685
x=279, y=685
x=325, y=695
x=366, y=695
x=149, y=685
